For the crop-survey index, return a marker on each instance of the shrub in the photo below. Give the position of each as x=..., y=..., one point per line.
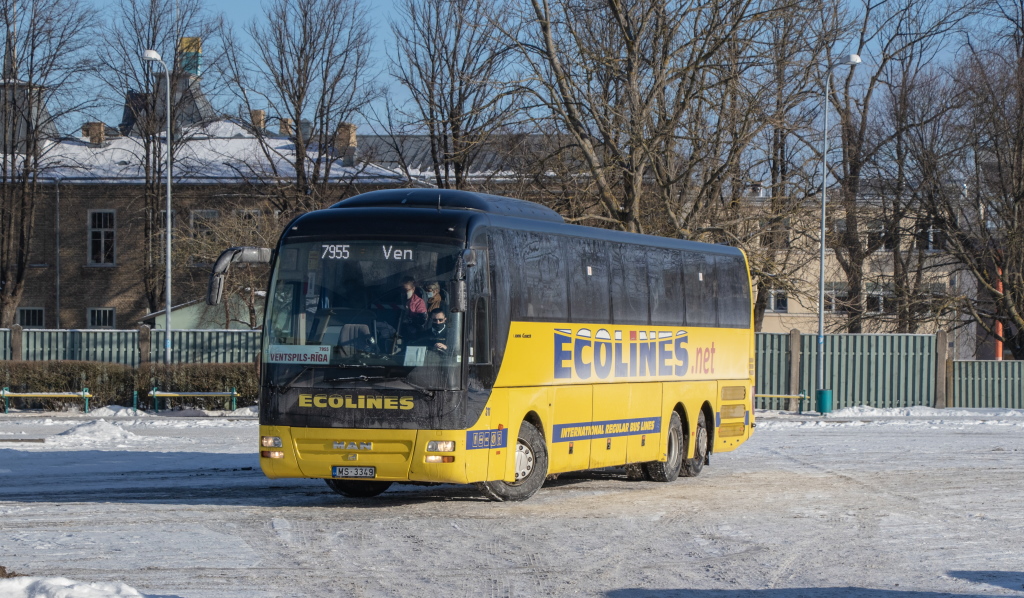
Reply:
x=113, y=384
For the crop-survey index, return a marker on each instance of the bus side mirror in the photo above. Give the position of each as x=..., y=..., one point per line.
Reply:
x=244, y=255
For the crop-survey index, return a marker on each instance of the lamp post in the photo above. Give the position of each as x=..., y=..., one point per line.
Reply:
x=822, y=396
x=154, y=56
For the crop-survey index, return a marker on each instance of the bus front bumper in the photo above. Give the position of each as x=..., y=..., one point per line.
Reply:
x=395, y=455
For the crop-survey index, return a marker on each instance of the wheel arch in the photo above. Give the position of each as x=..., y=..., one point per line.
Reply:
x=537, y=422
x=709, y=420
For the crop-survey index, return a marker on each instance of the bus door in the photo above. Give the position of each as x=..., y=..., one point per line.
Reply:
x=572, y=416
x=611, y=412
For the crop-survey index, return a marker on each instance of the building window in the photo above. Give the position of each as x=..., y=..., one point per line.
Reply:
x=837, y=297
x=101, y=237
x=30, y=317
x=879, y=299
x=930, y=236
x=778, y=301
x=880, y=237
x=100, y=317
x=203, y=221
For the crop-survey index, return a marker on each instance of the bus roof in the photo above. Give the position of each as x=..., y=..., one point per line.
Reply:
x=451, y=200
x=521, y=215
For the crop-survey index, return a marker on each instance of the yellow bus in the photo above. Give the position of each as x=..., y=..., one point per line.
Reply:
x=453, y=337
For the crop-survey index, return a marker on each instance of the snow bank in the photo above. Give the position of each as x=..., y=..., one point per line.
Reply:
x=99, y=432
x=62, y=587
x=116, y=411
x=866, y=411
x=241, y=412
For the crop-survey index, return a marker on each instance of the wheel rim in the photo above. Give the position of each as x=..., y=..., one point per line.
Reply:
x=673, y=446
x=702, y=442
x=524, y=461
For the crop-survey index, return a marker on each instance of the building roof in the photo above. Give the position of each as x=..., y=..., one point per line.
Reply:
x=219, y=151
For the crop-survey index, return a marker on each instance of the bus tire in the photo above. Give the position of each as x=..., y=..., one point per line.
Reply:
x=692, y=467
x=531, y=465
x=358, y=488
x=668, y=470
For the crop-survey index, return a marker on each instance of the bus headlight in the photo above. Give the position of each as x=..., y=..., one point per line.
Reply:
x=272, y=454
x=441, y=446
x=440, y=459
x=271, y=441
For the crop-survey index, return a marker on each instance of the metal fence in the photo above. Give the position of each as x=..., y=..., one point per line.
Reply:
x=880, y=370
x=990, y=384
x=773, y=372
x=207, y=346
x=113, y=346
x=124, y=347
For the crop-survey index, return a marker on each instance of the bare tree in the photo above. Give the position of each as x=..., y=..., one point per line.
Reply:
x=45, y=60
x=622, y=78
x=457, y=73
x=907, y=284
x=783, y=176
x=162, y=25
x=892, y=37
x=308, y=64
x=982, y=218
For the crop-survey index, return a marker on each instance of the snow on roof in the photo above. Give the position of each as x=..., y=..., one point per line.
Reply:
x=221, y=151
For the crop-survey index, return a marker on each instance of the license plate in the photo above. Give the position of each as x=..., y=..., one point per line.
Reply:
x=339, y=471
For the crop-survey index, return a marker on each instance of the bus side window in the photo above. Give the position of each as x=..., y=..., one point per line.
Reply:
x=701, y=290
x=481, y=348
x=588, y=281
x=539, y=292
x=628, y=273
x=665, y=280
x=733, y=292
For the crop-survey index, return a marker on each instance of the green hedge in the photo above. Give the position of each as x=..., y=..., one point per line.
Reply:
x=112, y=384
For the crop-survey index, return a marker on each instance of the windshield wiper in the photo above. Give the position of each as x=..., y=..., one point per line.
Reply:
x=363, y=378
x=388, y=379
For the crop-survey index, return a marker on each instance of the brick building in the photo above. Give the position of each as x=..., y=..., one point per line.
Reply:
x=90, y=245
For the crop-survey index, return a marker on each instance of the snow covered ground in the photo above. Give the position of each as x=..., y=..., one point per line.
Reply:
x=913, y=503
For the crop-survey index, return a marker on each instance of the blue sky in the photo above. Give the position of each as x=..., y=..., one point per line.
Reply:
x=240, y=12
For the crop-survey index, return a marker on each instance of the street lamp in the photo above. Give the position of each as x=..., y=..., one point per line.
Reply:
x=154, y=56
x=821, y=395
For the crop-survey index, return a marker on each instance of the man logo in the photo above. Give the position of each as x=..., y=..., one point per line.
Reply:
x=352, y=446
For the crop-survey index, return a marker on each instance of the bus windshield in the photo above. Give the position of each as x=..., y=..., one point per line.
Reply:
x=364, y=311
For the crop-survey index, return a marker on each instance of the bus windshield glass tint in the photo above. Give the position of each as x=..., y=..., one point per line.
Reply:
x=365, y=311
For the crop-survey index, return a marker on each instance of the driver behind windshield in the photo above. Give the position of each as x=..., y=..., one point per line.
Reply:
x=437, y=337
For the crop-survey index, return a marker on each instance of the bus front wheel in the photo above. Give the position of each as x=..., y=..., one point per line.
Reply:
x=358, y=488
x=668, y=470
x=531, y=467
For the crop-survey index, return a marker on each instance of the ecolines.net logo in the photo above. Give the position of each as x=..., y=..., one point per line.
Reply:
x=586, y=354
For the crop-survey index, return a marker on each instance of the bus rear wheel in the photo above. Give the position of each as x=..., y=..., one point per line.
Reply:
x=668, y=470
x=692, y=467
x=531, y=467
x=358, y=488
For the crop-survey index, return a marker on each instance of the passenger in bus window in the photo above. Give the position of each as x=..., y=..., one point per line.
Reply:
x=414, y=303
x=435, y=298
x=436, y=337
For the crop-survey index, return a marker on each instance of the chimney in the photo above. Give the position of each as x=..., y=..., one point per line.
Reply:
x=345, y=143
x=307, y=129
x=286, y=127
x=190, y=54
x=258, y=119
x=95, y=131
